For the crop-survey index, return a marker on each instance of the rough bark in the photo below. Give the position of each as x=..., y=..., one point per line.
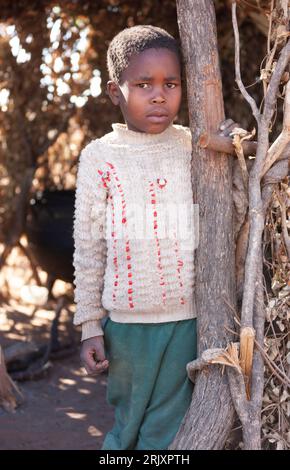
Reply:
x=210, y=416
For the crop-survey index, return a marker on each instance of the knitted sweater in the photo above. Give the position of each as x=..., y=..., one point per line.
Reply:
x=134, y=248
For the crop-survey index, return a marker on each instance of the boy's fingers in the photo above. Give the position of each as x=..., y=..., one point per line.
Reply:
x=228, y=130
x=91, y=365
x=226, y=123
x=98, y=367
x=100, y=356
x=88, y=362
x=93, y=357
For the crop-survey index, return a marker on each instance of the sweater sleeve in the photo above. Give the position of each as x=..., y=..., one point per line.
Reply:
x=90, y=248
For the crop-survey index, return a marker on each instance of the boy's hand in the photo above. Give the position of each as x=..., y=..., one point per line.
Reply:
x=227, y=126
x=93, y=355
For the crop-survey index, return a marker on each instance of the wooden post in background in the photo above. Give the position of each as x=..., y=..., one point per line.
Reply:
x=210, y=416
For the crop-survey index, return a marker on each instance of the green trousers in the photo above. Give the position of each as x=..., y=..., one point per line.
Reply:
x=147, y=381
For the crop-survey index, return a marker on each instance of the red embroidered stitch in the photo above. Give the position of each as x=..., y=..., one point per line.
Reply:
x=124, y=221
x=161, y=182
x=105, y=176
x=115, y=259
x=179, y=265
x=155, y=226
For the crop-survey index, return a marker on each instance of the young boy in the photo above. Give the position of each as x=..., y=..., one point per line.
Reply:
x=142, y=282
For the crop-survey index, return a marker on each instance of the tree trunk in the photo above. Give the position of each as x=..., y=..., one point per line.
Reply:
x=210, y=416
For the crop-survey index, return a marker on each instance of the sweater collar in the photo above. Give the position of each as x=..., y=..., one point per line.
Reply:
x=127, y=136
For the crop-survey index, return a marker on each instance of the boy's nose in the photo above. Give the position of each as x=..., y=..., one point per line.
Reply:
x=158, y=99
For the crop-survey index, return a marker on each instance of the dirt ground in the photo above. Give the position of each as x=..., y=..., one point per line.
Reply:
x=65, y=409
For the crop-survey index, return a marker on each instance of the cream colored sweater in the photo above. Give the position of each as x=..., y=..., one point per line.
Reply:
x=133, y=229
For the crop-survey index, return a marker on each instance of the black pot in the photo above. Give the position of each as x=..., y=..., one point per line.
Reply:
x=49, y=229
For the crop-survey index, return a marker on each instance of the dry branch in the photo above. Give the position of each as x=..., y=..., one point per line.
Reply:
x=252, y=312
x=283, y=140
x=284, y=223
x=226, y=357
x=240, y=84
x=247, y=337
x=7, y=387
x=223, y=144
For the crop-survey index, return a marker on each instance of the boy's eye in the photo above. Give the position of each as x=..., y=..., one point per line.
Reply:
x=171, y=85
x=143, y=85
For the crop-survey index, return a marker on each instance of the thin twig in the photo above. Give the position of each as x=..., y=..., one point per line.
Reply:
x=231, y=306
x=239, y=82
x=273, y=330
x=282, y=141
x=273, y=87
x=270, y=27
x=275, y=369
x=284, y=223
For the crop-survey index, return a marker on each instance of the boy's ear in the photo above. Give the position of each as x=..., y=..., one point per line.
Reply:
x=113, y=91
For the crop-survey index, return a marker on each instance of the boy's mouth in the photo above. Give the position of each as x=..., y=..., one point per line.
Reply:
x=157, y=116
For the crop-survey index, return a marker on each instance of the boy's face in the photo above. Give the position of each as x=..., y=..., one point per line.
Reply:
x=149, y=93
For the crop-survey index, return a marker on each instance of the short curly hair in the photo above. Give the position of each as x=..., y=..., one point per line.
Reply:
x=133, y=41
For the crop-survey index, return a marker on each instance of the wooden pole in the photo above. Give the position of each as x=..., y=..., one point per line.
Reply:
x=210, y=416
x=218, y=143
